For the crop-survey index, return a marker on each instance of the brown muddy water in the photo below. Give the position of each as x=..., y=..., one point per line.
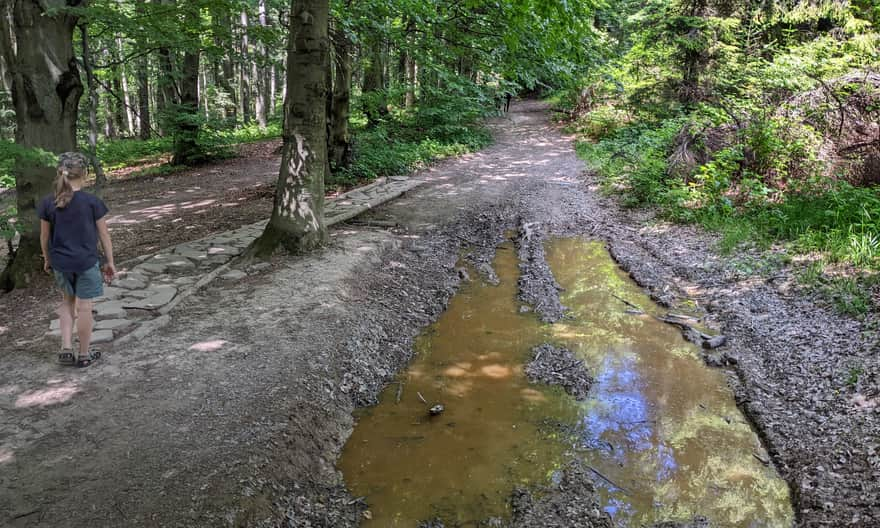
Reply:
x=660, y=429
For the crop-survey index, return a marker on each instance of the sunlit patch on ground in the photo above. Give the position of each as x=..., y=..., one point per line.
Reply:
x=209, y=346
x=53, y=395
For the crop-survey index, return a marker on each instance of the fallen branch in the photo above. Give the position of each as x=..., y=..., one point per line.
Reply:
x=422, y=398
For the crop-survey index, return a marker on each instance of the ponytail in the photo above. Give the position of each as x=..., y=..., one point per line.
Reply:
x=71, y=166
x=63, y=189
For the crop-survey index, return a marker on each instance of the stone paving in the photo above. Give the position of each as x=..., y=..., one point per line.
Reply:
x=150, y=286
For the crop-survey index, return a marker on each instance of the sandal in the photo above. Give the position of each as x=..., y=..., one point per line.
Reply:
x=83, y=362
x=66, y=357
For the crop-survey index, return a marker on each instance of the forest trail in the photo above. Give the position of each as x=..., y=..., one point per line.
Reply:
x=235, y=413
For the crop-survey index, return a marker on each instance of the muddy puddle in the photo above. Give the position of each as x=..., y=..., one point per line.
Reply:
x=660, y=430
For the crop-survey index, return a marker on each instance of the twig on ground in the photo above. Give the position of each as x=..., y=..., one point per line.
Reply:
x=399, y=391
x=422, y=398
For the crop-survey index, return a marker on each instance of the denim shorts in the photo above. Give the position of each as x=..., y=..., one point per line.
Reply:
x=88, y=284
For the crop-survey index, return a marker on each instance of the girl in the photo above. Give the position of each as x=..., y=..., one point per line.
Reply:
x=71, y=223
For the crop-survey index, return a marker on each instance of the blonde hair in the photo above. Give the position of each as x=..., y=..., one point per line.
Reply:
x=71, y=166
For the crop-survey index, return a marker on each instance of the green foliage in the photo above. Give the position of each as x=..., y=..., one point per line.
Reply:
x=442, y=125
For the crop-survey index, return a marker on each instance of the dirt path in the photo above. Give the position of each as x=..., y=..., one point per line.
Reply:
x=235, y=413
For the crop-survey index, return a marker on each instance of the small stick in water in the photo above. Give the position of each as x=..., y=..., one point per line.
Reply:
x=624, y=301
x=399, y=391
x=608, y=480
x=422, y=398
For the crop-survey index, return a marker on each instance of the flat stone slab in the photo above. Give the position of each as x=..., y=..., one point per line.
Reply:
x=111, y=293
x=180, y=263
x=130, y=284
x=139, y=294
x=223, y=250
x=55, y=324
x=161, y=296
x=234, y=275
x=109, y=310
x=112, y=324
x=102, y=336
x=152, y=267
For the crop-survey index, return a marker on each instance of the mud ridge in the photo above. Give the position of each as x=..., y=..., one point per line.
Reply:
x=559, y=366
x=537, y=287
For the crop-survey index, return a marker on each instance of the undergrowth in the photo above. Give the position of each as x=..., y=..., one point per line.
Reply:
x=761, y=189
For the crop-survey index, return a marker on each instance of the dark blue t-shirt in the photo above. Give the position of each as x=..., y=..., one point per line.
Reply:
x=73, y=242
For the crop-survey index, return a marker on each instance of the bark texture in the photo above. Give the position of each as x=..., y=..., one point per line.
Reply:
x=340, y=140
x=46, y=89
x=297, y=221
x=100, y=178
x=143, y=86
x=187, y=120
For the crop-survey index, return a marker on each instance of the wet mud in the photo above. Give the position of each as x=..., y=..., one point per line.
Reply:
x=553, y=365
x=659, y=438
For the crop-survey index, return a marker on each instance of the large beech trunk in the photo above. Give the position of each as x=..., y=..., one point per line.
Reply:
x=297, y=221
x=46, y=89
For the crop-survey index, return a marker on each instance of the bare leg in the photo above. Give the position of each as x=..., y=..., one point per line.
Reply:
x=65, y=317
x=84, y=326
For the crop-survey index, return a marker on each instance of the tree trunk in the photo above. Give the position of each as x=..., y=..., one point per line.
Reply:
x=375, y=103
x=186, y=149
x=126, y=96
x=260, y=75
x=167, y=96
x=273, y=89
x=244, y=82
x=144, y=121
x=100, y=179
x=226, y=73
x=46, y=89
x=340, y=141
x=297, y=221
x=143, y=85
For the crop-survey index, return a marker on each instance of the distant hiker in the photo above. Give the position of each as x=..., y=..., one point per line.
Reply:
x=72, y=222
x=507, y=97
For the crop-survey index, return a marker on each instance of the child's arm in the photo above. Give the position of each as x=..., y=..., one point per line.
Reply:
x=45, y=229
x=104, y=235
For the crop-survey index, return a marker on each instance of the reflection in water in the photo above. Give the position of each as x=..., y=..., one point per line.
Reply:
x=659, y=425
x=462, y=465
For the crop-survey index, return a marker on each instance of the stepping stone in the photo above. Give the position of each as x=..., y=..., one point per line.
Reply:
x=217, y=260
x=223, y=250
x=183, y=281
x=130, y=283
x=234, y=275
x=259, y=267
x=399, y=178
x=112, y=324
x=55, y=324
x=161, y=296
x=102, y=336
x=109, y=310
x=111, y=293
x=139, y=294
x=152, y=267
x=181, y=263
